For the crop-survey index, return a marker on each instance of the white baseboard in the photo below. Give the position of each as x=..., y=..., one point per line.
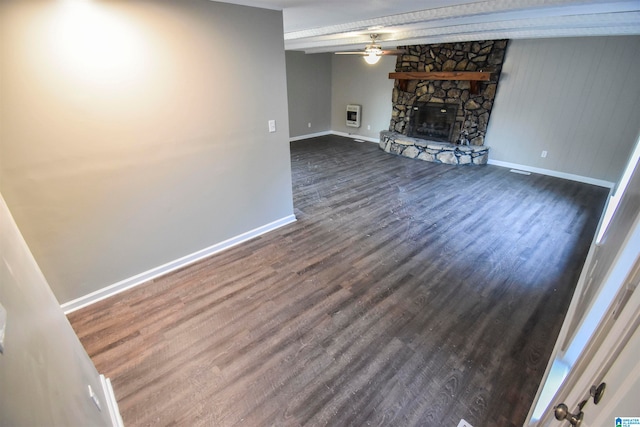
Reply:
x=112, y=403
x=334, y=132
x=308, y=136
x=138, y=279
x=354, y=136
x=564, y=175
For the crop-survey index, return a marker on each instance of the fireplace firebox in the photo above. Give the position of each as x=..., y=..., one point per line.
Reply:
x=433, y=121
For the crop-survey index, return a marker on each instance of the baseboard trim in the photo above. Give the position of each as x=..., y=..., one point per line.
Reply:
x=335, y=132
x=563, y=175
x=309, y=136
x=354, y=136
x=112, y=403
x=123, y=285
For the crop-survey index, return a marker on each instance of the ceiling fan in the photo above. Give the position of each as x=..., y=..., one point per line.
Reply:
x=372, y=52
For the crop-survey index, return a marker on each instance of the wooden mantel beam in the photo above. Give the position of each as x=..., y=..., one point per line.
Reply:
x=483, y=76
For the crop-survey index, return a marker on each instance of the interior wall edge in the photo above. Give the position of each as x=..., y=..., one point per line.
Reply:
x=112, y=403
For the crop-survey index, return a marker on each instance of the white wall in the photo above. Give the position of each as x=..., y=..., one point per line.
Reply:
x=309, y=92
x=576, y=98
x=135, y=133
x=44, y=371
x=356, y=82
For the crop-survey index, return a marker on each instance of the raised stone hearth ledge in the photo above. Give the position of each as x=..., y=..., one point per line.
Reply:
x=433, y=151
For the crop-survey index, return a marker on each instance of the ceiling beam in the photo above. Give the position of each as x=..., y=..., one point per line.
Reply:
x=476, y=21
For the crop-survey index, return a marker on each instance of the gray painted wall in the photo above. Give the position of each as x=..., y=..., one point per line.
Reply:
x=135, y=133
x=309, y=92
x=577, y=98
x=356, y=82
x=44, y=371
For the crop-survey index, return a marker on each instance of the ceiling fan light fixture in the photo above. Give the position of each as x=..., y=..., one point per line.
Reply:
x=372, y=58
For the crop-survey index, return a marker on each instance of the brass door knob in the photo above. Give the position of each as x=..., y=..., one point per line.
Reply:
x=561, y=412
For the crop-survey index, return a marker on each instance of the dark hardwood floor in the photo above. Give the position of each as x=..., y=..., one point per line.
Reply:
x=407, y=294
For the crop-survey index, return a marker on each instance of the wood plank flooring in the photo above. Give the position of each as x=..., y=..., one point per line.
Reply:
x=407, y=294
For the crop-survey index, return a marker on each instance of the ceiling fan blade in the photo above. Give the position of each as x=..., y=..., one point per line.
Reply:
x=394, y=52
x=351, y=53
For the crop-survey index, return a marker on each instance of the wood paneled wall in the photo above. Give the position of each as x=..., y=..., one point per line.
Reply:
x=576, y=98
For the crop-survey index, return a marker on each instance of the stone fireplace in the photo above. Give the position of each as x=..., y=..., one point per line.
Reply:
x=440, y=113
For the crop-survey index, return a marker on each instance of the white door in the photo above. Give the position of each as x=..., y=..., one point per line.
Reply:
x=622, y=392
x=594, y=333
x=612, y=358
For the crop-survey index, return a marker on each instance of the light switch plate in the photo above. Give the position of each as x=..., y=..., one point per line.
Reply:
x=3, y=326
x=272, y=125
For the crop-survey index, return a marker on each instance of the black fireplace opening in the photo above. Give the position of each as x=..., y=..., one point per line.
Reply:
x=433, y=121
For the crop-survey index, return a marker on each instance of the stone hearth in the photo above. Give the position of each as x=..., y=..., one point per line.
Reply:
x=470, y=102
x=433, y=151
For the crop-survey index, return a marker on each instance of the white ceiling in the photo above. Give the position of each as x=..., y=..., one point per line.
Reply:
x=317, y=26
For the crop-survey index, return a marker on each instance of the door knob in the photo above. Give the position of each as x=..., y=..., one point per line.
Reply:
x=562, y=413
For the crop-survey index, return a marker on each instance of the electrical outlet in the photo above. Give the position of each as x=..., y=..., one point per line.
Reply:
x=272, y=126
x=464, y=423
x=368, y=127
x=544, y=154
x=309, y=124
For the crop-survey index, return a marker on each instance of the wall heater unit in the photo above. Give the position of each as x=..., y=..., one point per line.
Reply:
x=353, y=115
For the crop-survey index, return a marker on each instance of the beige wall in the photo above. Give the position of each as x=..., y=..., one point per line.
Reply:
x=309, y=92
x=44, y=371
x=135, y=133
x=576, y=98
x=356, y=82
